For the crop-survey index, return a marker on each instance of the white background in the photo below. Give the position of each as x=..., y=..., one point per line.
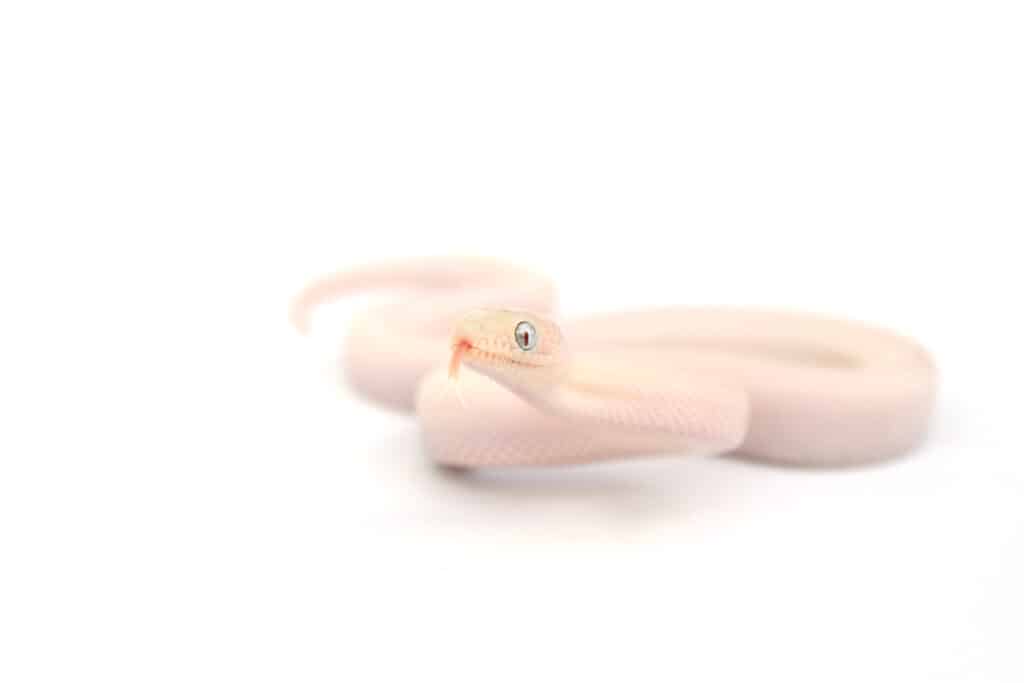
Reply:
x=187, y=494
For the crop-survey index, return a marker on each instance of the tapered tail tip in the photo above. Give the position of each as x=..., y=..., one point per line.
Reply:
x=298, y=315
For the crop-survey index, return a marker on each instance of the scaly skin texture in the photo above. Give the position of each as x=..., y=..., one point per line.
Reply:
x=775, y=386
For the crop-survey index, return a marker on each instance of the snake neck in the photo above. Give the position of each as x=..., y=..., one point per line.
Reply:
x=690, y=408
x=582, y=396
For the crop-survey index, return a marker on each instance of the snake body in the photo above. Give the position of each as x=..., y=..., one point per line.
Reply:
x=768, y=385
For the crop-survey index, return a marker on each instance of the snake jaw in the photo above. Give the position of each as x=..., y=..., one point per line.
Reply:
x=459, y=349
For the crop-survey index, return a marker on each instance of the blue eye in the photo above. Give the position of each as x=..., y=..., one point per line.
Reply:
x=526, y=336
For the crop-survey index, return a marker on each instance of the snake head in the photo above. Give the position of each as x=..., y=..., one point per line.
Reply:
x=521, y=350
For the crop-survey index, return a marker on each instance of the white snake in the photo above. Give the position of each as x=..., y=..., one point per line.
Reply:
x=769, y=385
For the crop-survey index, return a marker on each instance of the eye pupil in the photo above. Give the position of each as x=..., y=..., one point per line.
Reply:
x=526, y=336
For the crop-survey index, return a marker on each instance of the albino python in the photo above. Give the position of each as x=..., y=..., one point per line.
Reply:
x=494, y=381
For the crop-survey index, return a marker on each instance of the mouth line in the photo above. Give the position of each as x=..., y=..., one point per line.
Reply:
x=462, y=347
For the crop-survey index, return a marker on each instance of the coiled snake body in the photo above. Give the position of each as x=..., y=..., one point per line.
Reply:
x=770, y=385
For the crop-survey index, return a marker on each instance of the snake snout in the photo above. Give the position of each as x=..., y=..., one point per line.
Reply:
x=459, y=348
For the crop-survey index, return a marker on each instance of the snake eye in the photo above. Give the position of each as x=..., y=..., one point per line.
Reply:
x=526, y=336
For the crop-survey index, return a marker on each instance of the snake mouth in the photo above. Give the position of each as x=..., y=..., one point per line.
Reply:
x=462, y=347
x=459, y=349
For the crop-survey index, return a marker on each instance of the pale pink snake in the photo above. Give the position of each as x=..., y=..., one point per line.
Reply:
x=769, y=385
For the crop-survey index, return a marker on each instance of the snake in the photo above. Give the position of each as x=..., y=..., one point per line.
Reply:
x=474, y=347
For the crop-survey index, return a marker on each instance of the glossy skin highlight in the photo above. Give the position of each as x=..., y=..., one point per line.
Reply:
x=776, y=386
